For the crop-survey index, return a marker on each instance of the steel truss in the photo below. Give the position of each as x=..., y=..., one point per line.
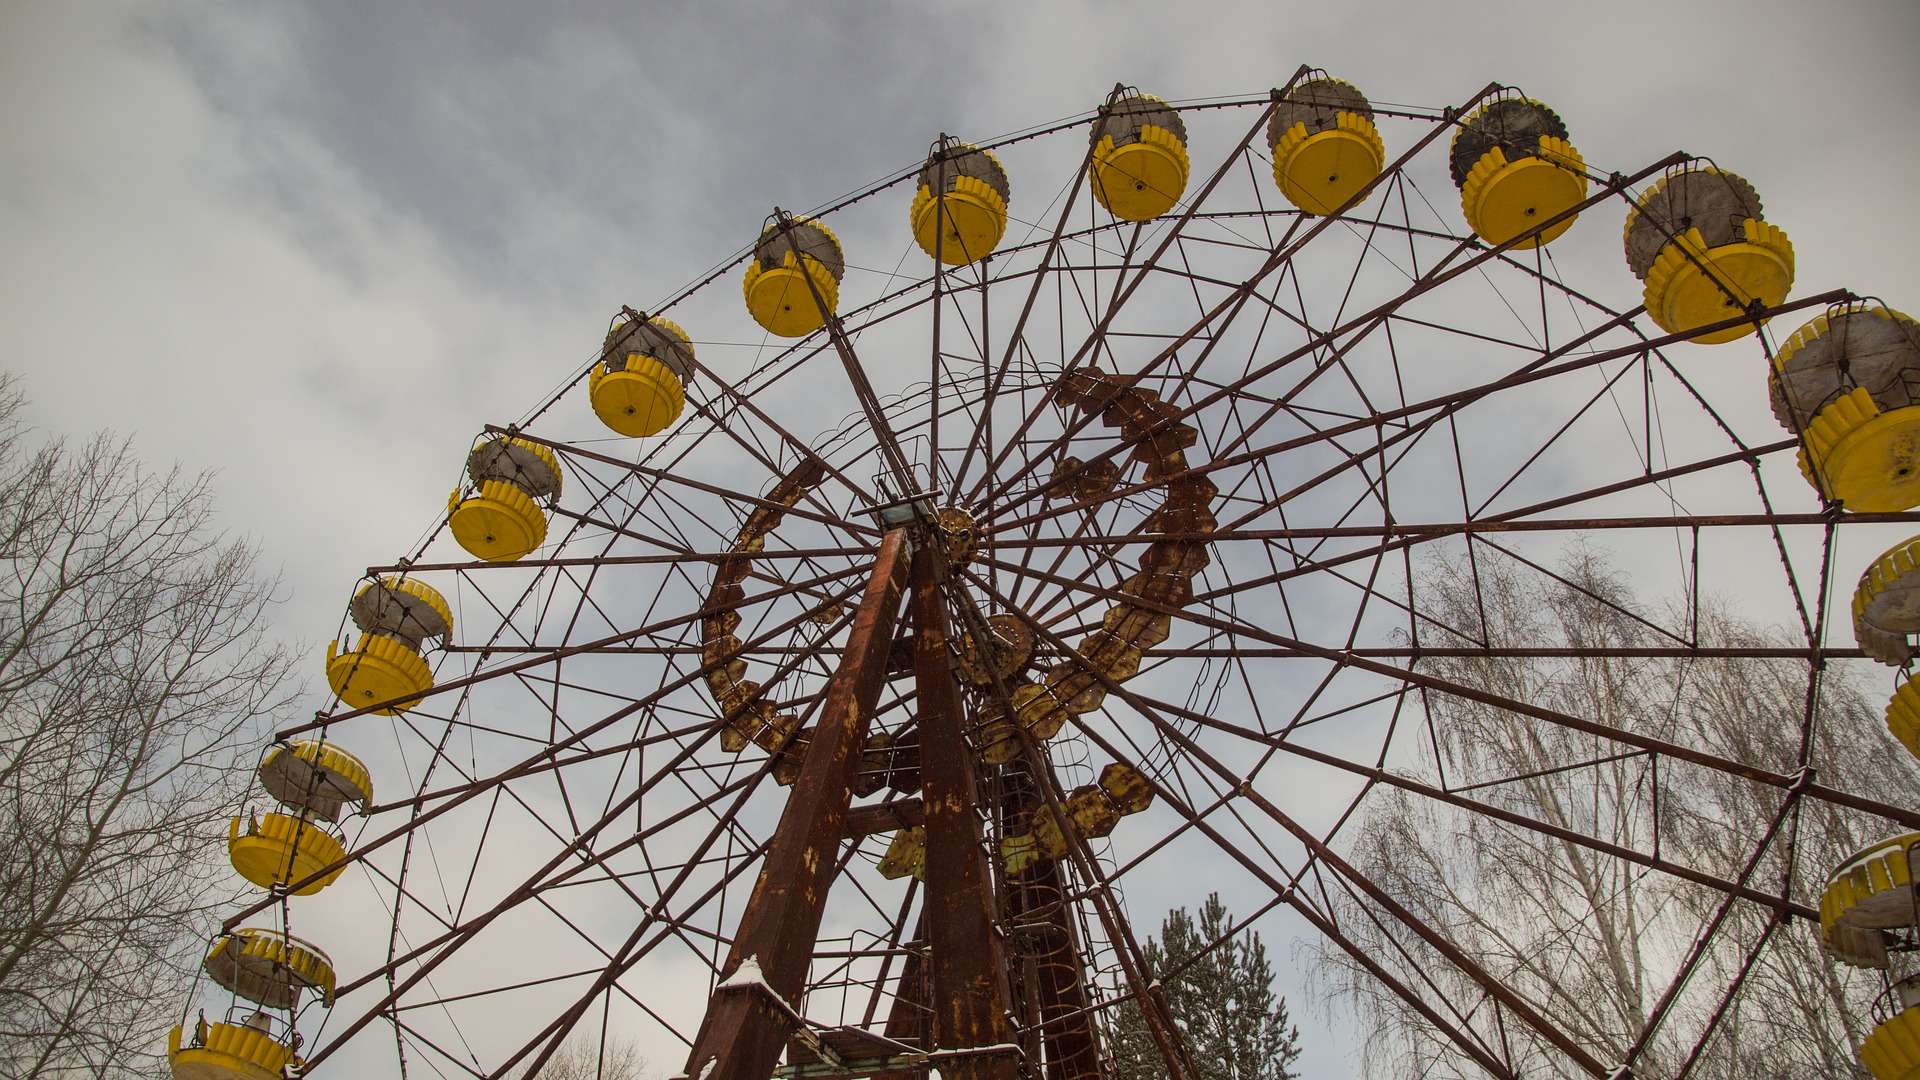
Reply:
x=573, y=852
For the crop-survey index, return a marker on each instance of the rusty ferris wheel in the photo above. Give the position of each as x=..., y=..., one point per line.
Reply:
x=835, y=748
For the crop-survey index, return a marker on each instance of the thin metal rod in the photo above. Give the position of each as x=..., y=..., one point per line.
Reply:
x=698, y=485
x=532, y=763
x=680, y=559
x=560, y=653
x=1450, y=401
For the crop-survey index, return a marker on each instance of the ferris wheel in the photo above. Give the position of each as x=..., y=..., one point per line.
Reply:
x=822, y=688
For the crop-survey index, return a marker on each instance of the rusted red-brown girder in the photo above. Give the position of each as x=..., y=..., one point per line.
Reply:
x=747, y=1023
x=650, y=630
x=966, y=968
x=885, y=817
x=678, y=559
x=1099, y=890
x=456, y=796
x=1284, y=890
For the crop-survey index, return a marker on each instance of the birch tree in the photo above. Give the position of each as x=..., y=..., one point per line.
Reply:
x=1589, y=940
x=135, y=675
x=585, y=1059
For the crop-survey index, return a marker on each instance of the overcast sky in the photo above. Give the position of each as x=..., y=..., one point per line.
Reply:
x=315, y=247
x=327, y=242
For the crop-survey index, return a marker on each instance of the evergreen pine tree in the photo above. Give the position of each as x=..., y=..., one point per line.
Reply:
x=1234, y=1026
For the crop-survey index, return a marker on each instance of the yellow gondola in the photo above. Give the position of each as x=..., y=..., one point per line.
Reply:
x=786, y=258
x=1696, y=238
x=1886, y=604
x=966, y=222
x=1849, y=383
x=1892, y=1049
x=269, y=967
x=276, y=850
x=229, y=1052
x=1515, y=169
x=501, y=515
x=638, y=386
x=1903, y=716
x=313, y=781
x=1325, y=147
x=1139, y=167
x=318, y=778
x=1868, y=895
x=396, y=616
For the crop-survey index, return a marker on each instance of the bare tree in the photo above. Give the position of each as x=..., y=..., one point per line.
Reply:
x=135, y=673
x=1589, y=940
x=585, y=1059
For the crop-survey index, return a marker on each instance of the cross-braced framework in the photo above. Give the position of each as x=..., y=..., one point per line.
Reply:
x=1116, y=586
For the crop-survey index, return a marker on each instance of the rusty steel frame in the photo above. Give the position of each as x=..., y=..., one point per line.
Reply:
x=1360, y=325
x=1162, y=1025
x=448, y=942
x=1440, y=404
x=1407, y=529
x=967, y=971
x=955, y=956
x=1244, y=788
x=742, y=1036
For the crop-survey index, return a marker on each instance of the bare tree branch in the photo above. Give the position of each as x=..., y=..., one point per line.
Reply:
x=136, y=673
x=1597, y=943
